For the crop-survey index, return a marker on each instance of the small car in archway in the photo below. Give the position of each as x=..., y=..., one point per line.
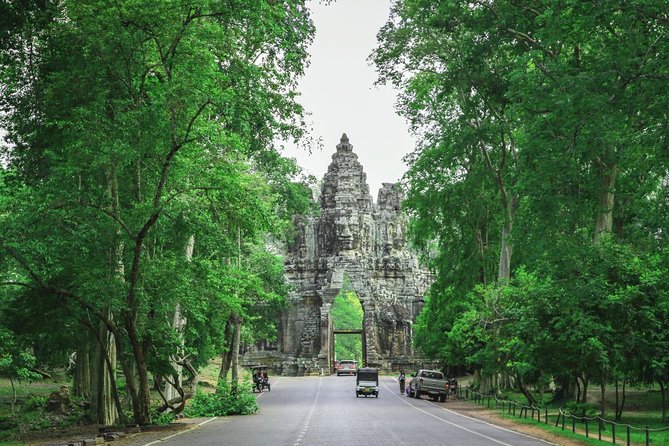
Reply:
x=347, y=366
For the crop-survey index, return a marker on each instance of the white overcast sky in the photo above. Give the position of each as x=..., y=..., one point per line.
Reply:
x=338, y=91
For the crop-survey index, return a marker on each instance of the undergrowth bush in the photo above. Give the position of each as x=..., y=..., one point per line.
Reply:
x=161, y=419
x=582, y=409
x=35, y=402
x=222, y=402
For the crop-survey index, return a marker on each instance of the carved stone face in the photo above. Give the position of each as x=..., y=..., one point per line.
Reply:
x=346, y=233
x=344, y=236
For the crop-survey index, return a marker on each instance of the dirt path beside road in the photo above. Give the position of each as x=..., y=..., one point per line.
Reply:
x=493, y=417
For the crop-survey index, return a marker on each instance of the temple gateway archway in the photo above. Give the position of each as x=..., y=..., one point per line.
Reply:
x=365, y=241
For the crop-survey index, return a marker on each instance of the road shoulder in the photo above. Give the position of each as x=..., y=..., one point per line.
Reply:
x=493, y=417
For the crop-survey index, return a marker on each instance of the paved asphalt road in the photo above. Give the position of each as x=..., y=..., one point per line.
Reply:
x=323, y=411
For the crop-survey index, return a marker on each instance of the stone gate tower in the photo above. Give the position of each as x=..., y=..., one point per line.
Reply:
x=367, y=242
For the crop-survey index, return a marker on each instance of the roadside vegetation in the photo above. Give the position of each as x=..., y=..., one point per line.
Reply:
x=644, y=410
x=140, y=179
x=539, y=193
x=28, y=415
x=33, y=417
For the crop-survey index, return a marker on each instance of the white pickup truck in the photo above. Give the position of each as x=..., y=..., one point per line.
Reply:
x=429, y=382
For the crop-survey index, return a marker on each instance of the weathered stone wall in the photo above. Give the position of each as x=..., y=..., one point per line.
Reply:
x=367, y=242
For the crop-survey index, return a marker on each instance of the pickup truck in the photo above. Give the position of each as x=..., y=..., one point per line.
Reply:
x=429, y=382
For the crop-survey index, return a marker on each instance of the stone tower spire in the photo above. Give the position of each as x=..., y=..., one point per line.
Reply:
x=344, y=144
x=345, y=183
x=345, y=200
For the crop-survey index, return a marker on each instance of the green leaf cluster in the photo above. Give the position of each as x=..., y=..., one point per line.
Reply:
x=223, y=402
x=141, y=176
x=543, y=143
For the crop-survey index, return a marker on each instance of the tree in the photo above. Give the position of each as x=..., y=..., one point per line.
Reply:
x=554, y=112
x=138, y=114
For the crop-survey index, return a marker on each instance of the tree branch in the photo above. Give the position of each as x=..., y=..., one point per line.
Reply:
x=114, y=217
x=12, y=283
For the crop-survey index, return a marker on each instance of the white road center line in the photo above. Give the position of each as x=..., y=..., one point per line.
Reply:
x=305, y=427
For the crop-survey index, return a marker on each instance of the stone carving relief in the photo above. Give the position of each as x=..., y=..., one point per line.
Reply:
x=365, y=241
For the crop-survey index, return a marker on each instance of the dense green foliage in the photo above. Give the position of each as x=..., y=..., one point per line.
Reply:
x=140, y=177
x=223, y=402
x=539, y=189
x=346, y=314
x=32, y=416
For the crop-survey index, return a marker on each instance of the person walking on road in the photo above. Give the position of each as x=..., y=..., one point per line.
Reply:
x=403, y=381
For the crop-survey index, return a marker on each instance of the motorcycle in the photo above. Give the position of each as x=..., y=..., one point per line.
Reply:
x=260, y=379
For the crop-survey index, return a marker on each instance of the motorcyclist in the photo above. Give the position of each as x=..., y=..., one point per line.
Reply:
x=257, y=380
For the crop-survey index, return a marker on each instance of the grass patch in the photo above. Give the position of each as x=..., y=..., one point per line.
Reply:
x=25, y=389
x=643, y=408
x=558, y=431
x=29, y=414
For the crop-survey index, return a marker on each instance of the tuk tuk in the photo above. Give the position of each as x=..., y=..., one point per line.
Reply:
x=367, y=382
x=260, y=378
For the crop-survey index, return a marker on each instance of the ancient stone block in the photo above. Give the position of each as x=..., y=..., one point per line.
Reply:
x=59, y=401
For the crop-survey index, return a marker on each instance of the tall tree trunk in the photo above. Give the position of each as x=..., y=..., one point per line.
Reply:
x=236, y=338
x=581, y=388
x=621, y=407
x=506, y=380
x=103, y=407
x=476, y=379
x=602, y=397
x=130, y=374
x=226, y=354
x=111, y=369
x=142, y=402
x=130, y=369
x=617, y=384
x=509, y=205
x=82, y=370
x=523, y=389
x=11, y=381
x=179, y=325
x=565, y=387
x=607, y=180
x=542, y=386
x=237, y=324
x=663, y=390
x=480, y=244
x=586, y=381
x=506, y=249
